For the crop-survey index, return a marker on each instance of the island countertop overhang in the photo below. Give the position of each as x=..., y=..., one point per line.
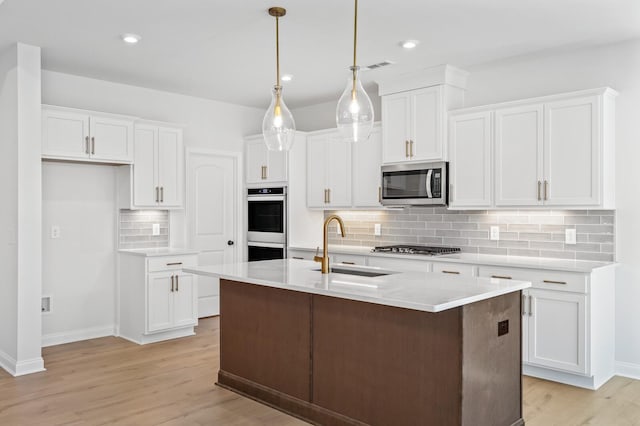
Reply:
x=422, y=291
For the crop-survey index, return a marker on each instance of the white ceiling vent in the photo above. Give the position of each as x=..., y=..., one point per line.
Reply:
x=378, y=65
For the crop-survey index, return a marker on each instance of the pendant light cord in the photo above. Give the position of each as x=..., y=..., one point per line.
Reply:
x=355, y=33
x=278, y=51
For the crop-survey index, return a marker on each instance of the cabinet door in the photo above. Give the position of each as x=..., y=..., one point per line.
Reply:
x=518, y=148
x=367, y=159
x=170, y=167
x=557, y=332
x=396, y=112
x=65, y=134
x=145, y=176
x=470, y=160
x=111, y=139
x=572, y=152
x=159, y=302
x=426, y=124
x=276, y=166
x=317, y=155
x=338, y=178
x=256, y=160
x=184, y=300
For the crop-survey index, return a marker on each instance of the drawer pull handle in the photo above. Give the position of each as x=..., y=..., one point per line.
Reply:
x=554, y=282
x=451, y=272
x=298, y=258
x=174, y=264
x=501, y=277
x=348, y=263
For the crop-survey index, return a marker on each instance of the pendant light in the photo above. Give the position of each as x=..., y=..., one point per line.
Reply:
x=354, y=114
x=278, y=127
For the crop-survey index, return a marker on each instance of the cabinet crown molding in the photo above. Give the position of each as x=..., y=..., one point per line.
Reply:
x=439, y=75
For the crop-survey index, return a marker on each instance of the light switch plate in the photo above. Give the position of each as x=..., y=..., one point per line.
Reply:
x=156, y=229
x=377, y=229
x=55, y=232
x=570, y=236
x=494, y=234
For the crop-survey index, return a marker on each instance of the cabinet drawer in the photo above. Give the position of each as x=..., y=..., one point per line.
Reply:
x=548, y=280
x=349, y=259
x=300, y=254
x=454, y=269
x=171, y=263
x=400, y=265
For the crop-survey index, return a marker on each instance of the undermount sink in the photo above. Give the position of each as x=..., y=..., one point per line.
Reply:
x=359, y=272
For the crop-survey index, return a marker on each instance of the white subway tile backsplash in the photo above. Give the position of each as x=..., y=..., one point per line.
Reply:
x=136, y=229
x=538, y=233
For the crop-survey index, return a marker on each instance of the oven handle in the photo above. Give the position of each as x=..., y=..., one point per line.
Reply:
x=265, y=198
x=429, y=173
x=268, y=245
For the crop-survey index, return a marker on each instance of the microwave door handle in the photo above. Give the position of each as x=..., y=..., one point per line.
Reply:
x=428, y=184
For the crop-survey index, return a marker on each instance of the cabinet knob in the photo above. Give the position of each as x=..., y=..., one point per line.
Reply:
x=230, y=242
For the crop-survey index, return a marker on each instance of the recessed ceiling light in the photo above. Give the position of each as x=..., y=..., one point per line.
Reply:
x=409, y=44
x=287, y=77
x=131, y=38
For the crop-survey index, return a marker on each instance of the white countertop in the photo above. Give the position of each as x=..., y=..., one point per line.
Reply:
x=479, y=259
x=421, y=291
x=161, y=251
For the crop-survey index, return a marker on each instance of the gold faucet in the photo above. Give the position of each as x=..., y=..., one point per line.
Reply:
x=324, y=259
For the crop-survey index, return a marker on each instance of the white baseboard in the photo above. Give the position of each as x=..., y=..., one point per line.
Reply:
x=77, y=335
x=628, y=369
x=20, y=368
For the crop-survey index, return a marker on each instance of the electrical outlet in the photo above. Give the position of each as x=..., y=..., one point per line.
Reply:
x=377, y=230
x=494, y=234
x=55, y=232
x=156, y=229
x=45, y=306
x=570, y=236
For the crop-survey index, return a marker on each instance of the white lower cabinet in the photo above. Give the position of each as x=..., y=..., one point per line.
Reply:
x=449, y=268
x=567, y=323
x=158, y=301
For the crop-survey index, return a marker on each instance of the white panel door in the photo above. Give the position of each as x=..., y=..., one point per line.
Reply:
x=170, y=171
x=396, y=113
x=160, y=302
x=111, y=139
x=65, y=134
x=470, y=160
x=317, y=153
x=256, y=159
x=338, y=178
x=367, y=159
x=572, y=150
x=145, y=175
x=519, y=155
x=184, y=300
x=557, y=332
x=426, y=124
x=213, y=195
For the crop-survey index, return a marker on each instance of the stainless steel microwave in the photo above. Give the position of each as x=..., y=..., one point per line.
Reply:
x=415, y=184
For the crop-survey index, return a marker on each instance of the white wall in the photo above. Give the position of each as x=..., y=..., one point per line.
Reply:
x=79, y=267
x=20, y=214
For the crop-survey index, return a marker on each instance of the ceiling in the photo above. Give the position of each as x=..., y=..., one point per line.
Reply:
x=226, y=50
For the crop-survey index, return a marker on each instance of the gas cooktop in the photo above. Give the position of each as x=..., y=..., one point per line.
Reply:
x=408, y=249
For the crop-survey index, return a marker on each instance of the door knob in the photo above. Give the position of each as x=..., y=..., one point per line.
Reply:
x=230, y=243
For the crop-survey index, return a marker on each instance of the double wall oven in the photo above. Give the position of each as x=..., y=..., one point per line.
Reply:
x=266, y=223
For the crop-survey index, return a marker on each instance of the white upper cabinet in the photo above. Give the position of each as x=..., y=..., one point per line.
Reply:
x=518, y=154
x=328, y=170
x=553, y=151
x=412, y=125
x=367, y=159
x=157, y=180
x=414, y=113
x=78, y=135
x=573, y=152
x=470, y=160
x=262, y=165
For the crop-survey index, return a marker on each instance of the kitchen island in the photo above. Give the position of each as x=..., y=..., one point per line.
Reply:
x=350, y=348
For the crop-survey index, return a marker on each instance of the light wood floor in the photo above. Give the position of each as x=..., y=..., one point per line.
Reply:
x=113, y=381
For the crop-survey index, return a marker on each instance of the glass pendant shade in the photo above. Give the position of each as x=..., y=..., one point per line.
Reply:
x=354, y=114
x=278, y=127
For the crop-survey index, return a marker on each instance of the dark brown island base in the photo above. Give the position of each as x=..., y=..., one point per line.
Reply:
x=333, y=361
